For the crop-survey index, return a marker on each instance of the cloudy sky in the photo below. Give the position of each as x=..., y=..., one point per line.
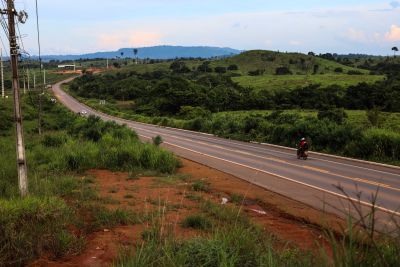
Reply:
x=341, y=26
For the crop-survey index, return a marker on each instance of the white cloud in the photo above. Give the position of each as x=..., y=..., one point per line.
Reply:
x=128, y=38
x=394, y=34
x=356, y=35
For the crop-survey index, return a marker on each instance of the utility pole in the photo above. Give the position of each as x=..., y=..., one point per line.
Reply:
x=2, y=74
x=20, y=148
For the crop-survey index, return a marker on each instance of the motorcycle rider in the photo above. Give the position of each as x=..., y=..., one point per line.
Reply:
x=302, y=147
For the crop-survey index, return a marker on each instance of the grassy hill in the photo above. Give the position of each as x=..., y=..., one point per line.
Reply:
x=269, y=61
x=289, y=82
x=303, y=69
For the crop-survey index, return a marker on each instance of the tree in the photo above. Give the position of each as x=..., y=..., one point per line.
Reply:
x=135, y=52
x=395, y=49
x=282, y=71
x=316, y=68
x=337, y=115
x=179, y=67
x=220, y=70
x=233, y=67
x=204, y=67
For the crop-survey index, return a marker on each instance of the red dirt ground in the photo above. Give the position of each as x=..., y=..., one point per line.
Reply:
x=281, y=216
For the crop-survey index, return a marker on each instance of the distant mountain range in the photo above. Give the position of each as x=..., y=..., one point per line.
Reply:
x=155, y=52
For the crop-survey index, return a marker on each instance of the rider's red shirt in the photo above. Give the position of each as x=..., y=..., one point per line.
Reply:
x=301, y=145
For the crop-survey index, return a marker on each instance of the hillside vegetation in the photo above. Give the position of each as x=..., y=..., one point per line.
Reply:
x=269, y=61
x=290, y=82
x=262, y=70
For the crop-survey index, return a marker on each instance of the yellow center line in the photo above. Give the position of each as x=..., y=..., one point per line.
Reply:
x=366, y=181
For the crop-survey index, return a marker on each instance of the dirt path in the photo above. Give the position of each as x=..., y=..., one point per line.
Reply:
x=174, y=197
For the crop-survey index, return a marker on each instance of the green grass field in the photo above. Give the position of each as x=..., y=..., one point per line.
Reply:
x=288, y=82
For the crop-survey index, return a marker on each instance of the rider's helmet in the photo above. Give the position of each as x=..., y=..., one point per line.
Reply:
x=303, y=139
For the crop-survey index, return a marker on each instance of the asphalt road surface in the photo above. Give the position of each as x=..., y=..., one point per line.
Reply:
x=316, y=181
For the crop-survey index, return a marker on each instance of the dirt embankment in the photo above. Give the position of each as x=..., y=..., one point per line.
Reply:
x=288, y=220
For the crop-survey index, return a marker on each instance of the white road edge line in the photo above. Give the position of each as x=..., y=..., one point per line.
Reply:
x=360, y=180
x=285, y=178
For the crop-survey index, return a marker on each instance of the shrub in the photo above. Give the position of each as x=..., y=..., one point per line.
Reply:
x=233, y=67
x=283, y=71
x=220, y=70
x=54, y=140
x=157, y=140
x=337, y=115
x=375, y=117
x=378, y=144
x=256, y=72
x=197, y=222
x=354, y=72
x=200, y=185
x=339, y=70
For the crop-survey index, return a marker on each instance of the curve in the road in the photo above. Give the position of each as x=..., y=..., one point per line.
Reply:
x=260, y=164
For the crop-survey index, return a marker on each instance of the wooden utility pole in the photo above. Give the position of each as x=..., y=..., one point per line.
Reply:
x=21, y=160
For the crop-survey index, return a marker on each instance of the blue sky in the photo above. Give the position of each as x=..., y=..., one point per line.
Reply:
x=351, y=26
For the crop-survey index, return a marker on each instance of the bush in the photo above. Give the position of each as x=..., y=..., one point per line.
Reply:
x=54, y=140
x=339, y=70
x=201, y=186
x=375, y=116
x=233, y=67
x=377, y=144
x=256, y=72
x=283, y=71
x=220, y=70
x=354, y=72
x=157, y=140
x=197, y=222
x=336, y=115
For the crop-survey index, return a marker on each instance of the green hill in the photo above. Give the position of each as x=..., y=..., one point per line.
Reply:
x=268, y=61
x=258, y=68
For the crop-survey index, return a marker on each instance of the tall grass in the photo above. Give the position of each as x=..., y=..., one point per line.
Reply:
x=235, y=242
x=29, y=226
x=71, y=145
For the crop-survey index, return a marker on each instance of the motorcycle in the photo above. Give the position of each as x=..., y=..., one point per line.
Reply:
x=302, y=154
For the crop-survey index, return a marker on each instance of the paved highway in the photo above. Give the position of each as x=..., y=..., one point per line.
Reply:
x=313, y=181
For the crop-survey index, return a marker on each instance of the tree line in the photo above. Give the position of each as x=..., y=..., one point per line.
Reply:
x=164, y=93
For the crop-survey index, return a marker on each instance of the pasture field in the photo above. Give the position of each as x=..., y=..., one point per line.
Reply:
x=289, y=82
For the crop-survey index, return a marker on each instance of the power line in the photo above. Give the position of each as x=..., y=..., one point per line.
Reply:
x=5, y=48
x=38, y=33
x=20, y=38
x=41, y=68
